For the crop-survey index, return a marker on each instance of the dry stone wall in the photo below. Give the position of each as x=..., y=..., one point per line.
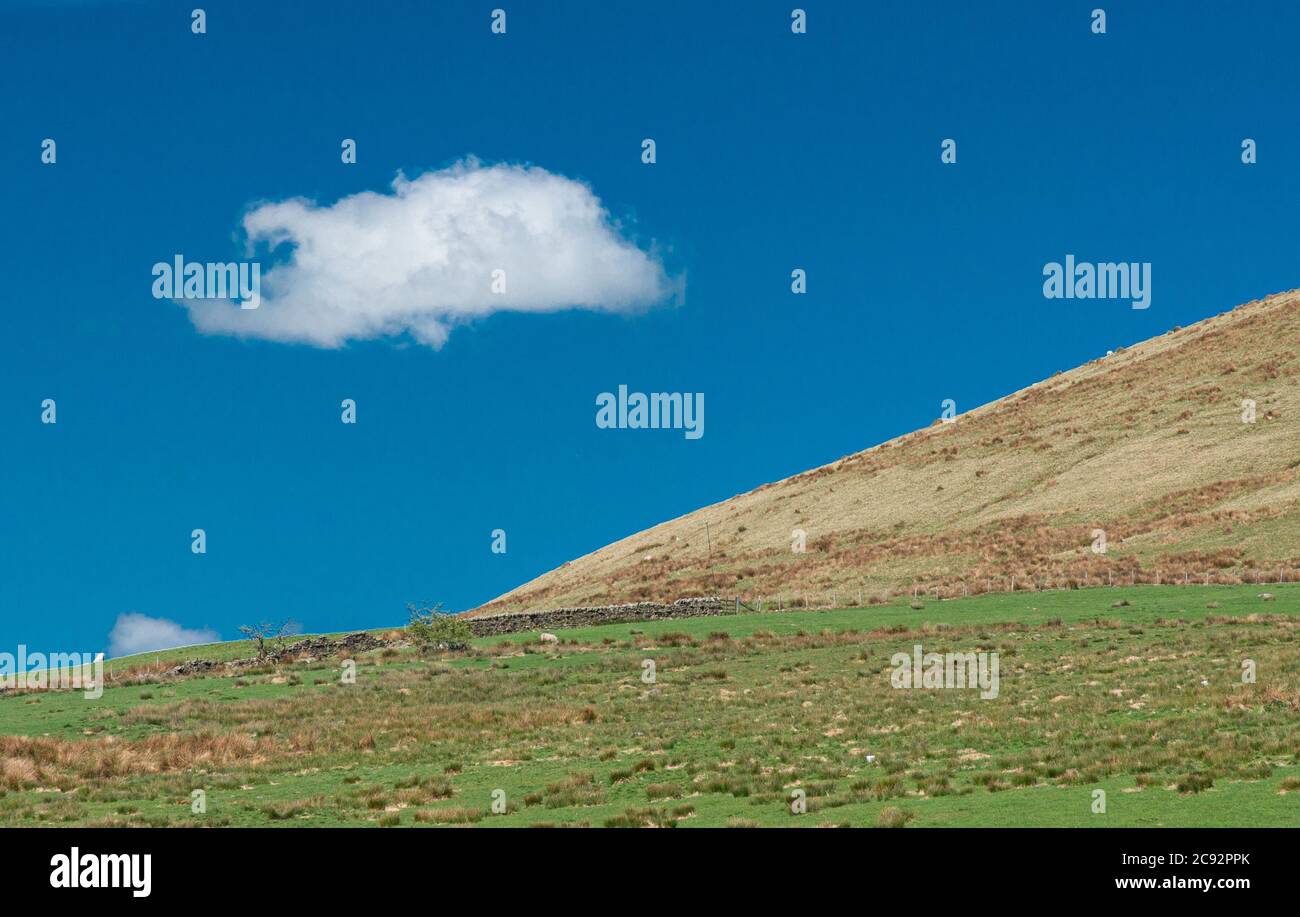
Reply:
x=492, y=625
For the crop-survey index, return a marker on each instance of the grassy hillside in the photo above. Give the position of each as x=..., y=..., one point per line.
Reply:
x=1134, y=691
x=1147, y=444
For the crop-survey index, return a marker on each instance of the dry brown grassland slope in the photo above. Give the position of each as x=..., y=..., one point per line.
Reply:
x=1148, y=445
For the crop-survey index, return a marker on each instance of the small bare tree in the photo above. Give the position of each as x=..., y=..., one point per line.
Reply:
x=267, y=630
x=288, y=628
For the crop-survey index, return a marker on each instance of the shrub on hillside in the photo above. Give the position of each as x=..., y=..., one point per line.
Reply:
x=893, y=817
x=431, y=628
x=1195, y=783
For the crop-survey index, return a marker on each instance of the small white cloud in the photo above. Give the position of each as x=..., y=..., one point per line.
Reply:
x=139, y=633
x=422, y=259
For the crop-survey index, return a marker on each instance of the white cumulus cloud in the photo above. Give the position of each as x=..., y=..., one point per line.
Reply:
x=422, y=258
x=138, y=633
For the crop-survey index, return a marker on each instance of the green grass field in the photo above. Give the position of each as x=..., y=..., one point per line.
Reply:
x=1143, y=700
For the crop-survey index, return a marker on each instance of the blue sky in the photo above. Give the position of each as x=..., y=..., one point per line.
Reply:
x=775, y=151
